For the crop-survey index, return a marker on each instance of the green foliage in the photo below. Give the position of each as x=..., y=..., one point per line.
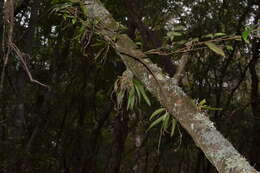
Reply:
x=215, y=48
x=219, y=34
x=202, y=106
x=140, y=91
x=136, y=94
x=133, y=90
x=250, y=30
x=246, y=34
x=171, y=35
x=167, y=121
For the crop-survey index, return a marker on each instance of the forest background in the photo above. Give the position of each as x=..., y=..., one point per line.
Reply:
x=79, y=93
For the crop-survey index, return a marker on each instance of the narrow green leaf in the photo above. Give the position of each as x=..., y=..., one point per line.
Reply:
x=208, y=36
x=144, y=95
x=215, y=48
x=132, y=103
x=137, y=89
x=128, y=103
x=173, y=126
x=142, y=91
x=137, y=82
x=138, y=93
x=219, y=34
x=158, y=111
x=99, y=53
x=155, y=122
x=130, y=100
x=166, y=121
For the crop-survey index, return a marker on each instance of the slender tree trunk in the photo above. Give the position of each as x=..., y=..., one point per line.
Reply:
x=200, y=161
x=1, y=26
x=120, y=132
x=255, y=99
x=17, y=130
x=140, y=153
x=91, y=156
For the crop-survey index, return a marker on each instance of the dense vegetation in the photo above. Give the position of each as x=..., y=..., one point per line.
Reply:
x=66, y=106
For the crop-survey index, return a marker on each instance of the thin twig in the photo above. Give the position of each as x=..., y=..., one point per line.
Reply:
x=20, y=55
x=188, y=48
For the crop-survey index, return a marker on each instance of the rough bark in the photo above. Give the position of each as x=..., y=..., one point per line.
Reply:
x=90, y=160
x=120, y=132
x=217, y=149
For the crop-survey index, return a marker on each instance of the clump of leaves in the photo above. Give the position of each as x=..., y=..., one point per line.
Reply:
x=167, y=121
x=132, y=89
x=136, y=94
x=70, y=10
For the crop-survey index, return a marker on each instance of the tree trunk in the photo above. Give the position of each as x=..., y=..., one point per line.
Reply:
x=17, y=128
x=120, y=132
x=255, y=100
